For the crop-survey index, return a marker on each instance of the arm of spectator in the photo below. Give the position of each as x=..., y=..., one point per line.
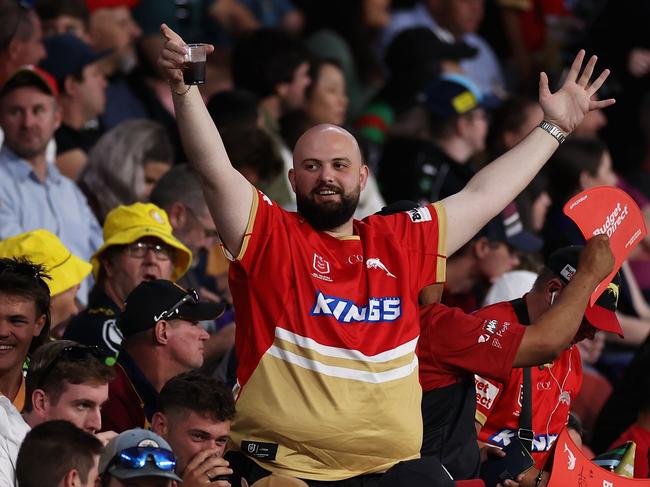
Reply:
x=545, y=339
x=638, y=301
x=228, y=194
x=636, y=331
x=72, y=163
x=233, y=16
x=486, y=194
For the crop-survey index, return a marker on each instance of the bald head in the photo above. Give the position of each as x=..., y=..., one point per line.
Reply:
x=326, y=142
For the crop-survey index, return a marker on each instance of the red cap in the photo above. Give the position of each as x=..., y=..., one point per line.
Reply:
x=30, y=75
x=93, y=5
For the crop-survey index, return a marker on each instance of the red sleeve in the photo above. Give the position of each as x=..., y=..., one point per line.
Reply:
x=123, y=409
x=460, y=343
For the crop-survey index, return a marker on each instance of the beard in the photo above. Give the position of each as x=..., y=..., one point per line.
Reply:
x=329, y=215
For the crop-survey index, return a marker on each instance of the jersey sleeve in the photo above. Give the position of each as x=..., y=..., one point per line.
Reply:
x=423, y=231
x=488, y=394
x=463, y=343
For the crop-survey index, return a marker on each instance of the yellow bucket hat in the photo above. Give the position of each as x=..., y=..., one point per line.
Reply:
x=43, y=247
x=129, y=223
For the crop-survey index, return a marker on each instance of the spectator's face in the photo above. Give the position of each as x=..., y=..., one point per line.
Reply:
x=31, y=50
x=495, y=259
x=19, y=324
x=114, y=28
x=189, y=433
x=585, y=332
x=327, y=176
x=153, y=171
x=328, y=102
x=476, y=129
x=92, y=92
x=80, y=404
x=539, y=210
x=65, y=24
x=29, y=119
x=186, y=342
x=376, y=13
x=293, y=94
x=128, y=269
x=463, y=16
x=605, y=175
x=197, y=230
x=141, y=482
x=63, y=307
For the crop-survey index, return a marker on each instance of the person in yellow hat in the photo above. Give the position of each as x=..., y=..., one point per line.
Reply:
x=138, y=246
x=66, y=271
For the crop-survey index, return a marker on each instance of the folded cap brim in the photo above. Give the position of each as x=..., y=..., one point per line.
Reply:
x=603, y=319
x=69, y=273
x=182, y=258
x=205, y=310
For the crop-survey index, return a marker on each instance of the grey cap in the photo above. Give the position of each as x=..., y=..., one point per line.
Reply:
x=133, y=439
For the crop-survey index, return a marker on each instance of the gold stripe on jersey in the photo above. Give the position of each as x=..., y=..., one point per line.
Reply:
x=249, y=228
x=441, y=262
x=479, y=417
x=325, y=418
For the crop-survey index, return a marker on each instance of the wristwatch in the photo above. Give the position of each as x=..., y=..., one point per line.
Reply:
x=554, y=130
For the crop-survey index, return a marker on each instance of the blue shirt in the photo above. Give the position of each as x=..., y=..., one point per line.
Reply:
x=57, y=205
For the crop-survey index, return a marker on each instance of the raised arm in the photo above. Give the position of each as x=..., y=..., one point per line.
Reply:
x=228, y=194
x=554, y=330
x=498, y=183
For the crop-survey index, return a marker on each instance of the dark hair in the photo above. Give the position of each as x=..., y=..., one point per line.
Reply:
x=15, y=22
x=508, y=117
x=51, y=450
x=253, y=149
x=179, y=184
x=234, y=109
x=79, y=371
x=265, y=58
x=20, y=277
x=575, y=156
x=51, y=9
x=196, y=392
x=314, y=71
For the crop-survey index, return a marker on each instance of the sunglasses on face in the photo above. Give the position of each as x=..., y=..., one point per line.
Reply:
x=138, y=457
x=75, y=353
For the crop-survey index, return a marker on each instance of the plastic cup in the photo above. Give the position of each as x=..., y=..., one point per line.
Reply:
x=194, y=67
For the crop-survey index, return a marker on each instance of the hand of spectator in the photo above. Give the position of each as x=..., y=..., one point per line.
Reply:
x=567, y=107
x=597, y=258
x=638, y=62
x=105, y=436
x=206, y=465
x=172, y=57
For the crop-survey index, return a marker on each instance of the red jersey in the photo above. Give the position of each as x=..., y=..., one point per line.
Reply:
x=553, y=385
x=326, y=335
x=641, y=437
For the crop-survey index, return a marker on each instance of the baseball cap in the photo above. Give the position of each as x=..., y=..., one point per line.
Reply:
x=30, y=75
x=413, y=48
x=129, y=223
x=67, y=55
x=43, y=247
x=516, y=236
x=152, y=301
x=602, y=315
x=138, y=453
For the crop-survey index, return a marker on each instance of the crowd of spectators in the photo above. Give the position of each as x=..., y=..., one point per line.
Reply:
x=348, y=243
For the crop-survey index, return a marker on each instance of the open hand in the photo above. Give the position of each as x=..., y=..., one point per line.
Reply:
x=567, y=107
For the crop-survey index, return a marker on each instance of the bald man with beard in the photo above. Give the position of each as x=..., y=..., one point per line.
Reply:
x=327, y=324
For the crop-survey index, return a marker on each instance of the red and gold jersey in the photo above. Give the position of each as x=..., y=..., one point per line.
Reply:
x=553, y=387
x=326, y=335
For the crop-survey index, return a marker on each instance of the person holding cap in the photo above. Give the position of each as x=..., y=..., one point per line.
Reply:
x=138, y=458
x=33, y=192
x=138, y=246
x=553, y=385
x=82, y=98
x=66, y=271
x=162, y=338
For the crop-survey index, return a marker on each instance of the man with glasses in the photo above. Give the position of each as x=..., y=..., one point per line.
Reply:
x=138, y=246
x=65, y=380
x=162, y=338
x=138, y=458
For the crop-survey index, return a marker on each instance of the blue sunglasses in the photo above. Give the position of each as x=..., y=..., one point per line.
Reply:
x=137, y=457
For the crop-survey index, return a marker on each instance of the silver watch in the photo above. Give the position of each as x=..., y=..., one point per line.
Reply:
x=554, y=130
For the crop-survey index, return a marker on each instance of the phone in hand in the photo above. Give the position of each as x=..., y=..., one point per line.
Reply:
x=496, y=470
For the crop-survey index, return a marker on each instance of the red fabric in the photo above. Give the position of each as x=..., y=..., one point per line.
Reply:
x=641, y=437
x=594, y=392
x=93, y=5
x=124, y=409
x=500, y=403
x=453, y=343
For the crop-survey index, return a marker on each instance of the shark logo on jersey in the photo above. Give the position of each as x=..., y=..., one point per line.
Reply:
x=377, y=264
x=378, y=310
x=571, y=458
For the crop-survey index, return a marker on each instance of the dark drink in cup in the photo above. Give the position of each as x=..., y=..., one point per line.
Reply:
x=194, y=66
x=194, y=73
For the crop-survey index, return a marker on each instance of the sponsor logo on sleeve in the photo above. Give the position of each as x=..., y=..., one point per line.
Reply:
x=419, y=215
x=486, y=392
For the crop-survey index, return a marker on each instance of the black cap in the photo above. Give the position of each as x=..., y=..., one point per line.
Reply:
x=602, y=315
x=152, y=301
